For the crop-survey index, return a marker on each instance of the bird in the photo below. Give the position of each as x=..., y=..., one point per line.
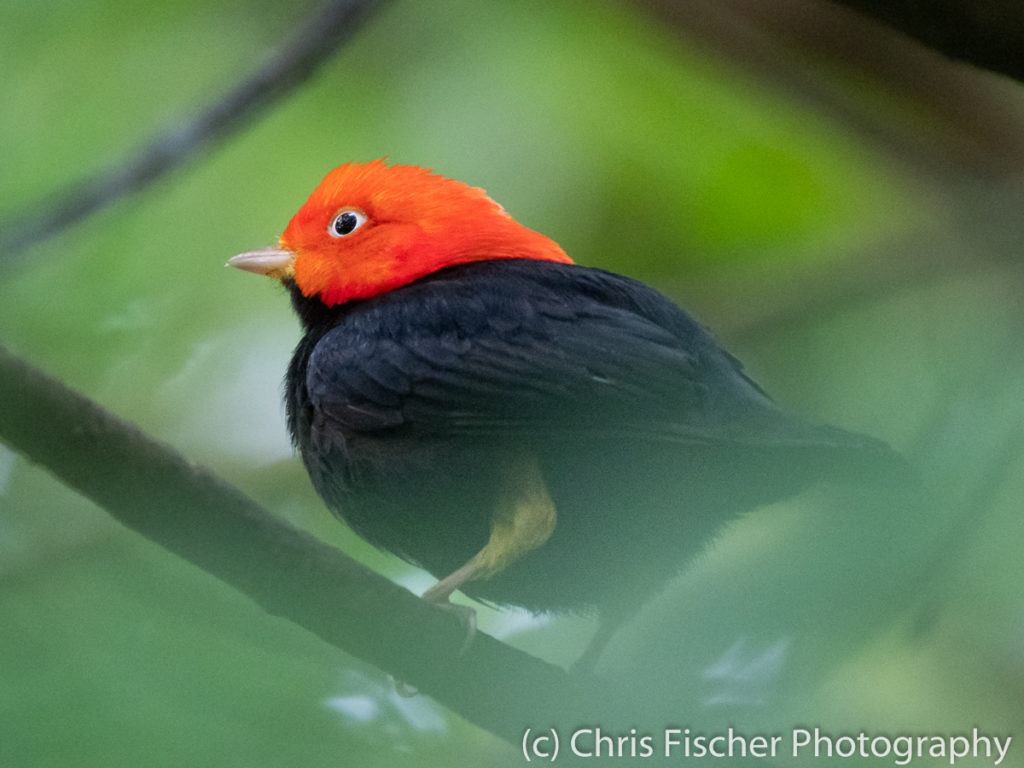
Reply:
x=530, y=431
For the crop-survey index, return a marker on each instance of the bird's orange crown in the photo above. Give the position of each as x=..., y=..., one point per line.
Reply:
x=371, y=227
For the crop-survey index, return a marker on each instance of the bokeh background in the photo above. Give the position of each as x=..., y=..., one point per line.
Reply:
x=842, y=207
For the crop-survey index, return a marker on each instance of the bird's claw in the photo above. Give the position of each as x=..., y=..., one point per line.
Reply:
x=467, y=617
x=440, y=595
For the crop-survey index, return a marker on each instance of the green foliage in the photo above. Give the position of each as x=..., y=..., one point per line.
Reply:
x=637, y=154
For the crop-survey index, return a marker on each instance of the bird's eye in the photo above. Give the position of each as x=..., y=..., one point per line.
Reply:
x=345, y=222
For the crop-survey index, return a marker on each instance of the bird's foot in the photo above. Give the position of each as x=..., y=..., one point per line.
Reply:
x=606, y=627
x=439, y=595
x=588, y=659
x=466, y=616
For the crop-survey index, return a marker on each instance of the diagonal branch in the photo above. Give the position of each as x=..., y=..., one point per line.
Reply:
x=844, y=64
x=323, y=33
x=985, y=33
x=184, y=508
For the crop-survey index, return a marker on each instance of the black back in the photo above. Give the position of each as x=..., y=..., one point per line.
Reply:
x=408, y=407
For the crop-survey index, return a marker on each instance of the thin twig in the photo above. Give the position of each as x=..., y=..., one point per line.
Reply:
x=316, y=40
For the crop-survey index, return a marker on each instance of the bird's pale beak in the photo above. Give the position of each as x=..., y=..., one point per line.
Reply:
x=277, y=263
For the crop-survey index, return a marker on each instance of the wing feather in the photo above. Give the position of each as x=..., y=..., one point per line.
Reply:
x=602, y=369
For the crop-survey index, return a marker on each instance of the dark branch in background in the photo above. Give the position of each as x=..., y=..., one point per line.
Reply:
x=947, y=114
x=153, y=490
x=184, y=508
x=986, y=33
x=958, y=128
x=322, y=34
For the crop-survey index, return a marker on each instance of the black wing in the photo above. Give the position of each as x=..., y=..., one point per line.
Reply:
x=512, y=350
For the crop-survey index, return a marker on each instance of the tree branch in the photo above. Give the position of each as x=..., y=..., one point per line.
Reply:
x=323, y=33
x=184, y=508
x=799, y=46
x=986, y=33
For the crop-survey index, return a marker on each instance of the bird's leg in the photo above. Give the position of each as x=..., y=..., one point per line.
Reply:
x=440, y=592
x=610, y=621
x=523, y=520
x=588, y=659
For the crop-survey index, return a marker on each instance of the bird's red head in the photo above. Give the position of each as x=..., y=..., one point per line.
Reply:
x=370, y=227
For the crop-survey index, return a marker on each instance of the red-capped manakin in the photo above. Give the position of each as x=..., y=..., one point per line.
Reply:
x=530, y=431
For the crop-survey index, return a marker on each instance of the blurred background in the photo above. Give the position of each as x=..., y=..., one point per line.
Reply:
x=841, y=206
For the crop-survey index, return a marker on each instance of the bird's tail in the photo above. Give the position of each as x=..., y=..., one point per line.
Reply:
x=850, y=457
